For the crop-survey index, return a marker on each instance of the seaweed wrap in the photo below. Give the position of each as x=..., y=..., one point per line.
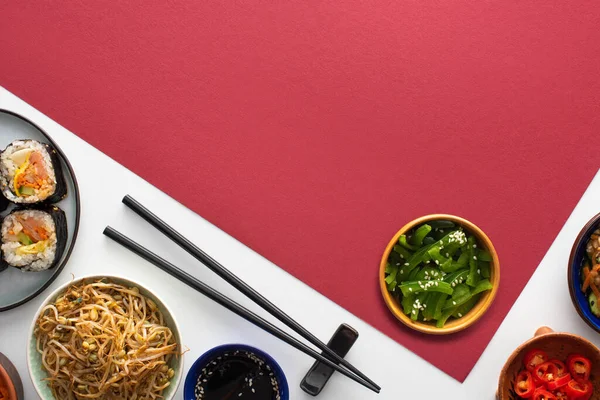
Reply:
x=30, y=173
x=33, y=239
x=4, y=203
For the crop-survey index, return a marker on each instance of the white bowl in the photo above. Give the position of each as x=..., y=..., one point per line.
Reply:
x=34, y=363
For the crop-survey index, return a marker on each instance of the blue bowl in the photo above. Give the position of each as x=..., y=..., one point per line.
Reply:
x=576, y=261
x=192, y=375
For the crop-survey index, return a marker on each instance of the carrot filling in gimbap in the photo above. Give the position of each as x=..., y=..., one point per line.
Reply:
x=29, y=240
x=30, y=233
x=31, y=175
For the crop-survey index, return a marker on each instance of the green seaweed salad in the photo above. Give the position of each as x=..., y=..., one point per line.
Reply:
x=437, y=271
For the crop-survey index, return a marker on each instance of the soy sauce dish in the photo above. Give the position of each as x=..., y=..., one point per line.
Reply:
x=235, y=371
x=439, y=274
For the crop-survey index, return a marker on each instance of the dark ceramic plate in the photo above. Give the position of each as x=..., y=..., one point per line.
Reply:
x=576, y=261
x=18, y=287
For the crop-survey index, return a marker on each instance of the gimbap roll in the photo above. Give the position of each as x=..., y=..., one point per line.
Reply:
x=30, y=173
x=33, y=239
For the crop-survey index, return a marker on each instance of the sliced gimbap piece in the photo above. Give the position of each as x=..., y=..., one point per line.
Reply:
x=33, y=239
x=30, y=173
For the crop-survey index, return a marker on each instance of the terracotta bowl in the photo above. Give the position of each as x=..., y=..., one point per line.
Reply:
x=5, y=381
x=453, y=325
x=557, y=345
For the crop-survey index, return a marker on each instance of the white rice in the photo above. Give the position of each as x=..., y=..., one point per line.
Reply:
x=8, y=169
x=28, y=262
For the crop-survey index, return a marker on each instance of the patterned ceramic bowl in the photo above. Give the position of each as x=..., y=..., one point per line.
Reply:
x=34, y=361
x=556, y=345
x=576, y=261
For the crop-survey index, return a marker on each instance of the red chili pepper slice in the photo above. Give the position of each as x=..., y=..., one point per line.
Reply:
x=524, y=385
x=543, y=394
x=558, y=382
x=561, y=394
x=533, y=358
x=579, y=367
x=562, y=369
x=579, y=389
x=546, y=372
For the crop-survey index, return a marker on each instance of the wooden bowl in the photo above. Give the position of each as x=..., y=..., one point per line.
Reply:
x=13, y=375
x=453, y=325
x=557, y=345
x=5, y=381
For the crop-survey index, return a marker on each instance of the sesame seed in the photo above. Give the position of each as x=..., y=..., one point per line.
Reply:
x=459, y=314
x=454, y=302
x=410, y=289
x=474, y=246
x=474, y=257
x=479, y=271
x=406, y=264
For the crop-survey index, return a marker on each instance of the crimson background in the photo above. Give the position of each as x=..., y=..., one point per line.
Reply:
x=313, y=130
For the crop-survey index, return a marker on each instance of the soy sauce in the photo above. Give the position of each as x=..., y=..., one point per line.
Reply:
x=237, y=375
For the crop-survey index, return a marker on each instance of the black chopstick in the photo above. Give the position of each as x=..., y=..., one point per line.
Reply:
x=227, y=302
x=237, y=283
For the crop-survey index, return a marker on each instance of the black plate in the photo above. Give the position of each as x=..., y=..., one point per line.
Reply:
x=18, y=287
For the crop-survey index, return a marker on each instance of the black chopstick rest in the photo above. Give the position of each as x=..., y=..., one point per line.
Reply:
x=318, y=375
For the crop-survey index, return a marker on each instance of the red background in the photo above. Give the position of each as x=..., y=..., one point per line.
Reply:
x=312, y=131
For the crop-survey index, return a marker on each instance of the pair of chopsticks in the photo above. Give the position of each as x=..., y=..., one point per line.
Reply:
x=328, y=357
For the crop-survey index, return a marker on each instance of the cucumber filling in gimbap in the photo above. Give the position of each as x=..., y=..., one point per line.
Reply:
x=29, y=172
x=29, y=240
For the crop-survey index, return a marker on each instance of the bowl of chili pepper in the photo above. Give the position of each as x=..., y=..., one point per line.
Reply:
x=439, y=274
x=551, y=366
x=7, y=388
x=583, y=273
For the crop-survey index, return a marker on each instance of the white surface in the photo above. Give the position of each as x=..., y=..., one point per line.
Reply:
x=400, y=373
